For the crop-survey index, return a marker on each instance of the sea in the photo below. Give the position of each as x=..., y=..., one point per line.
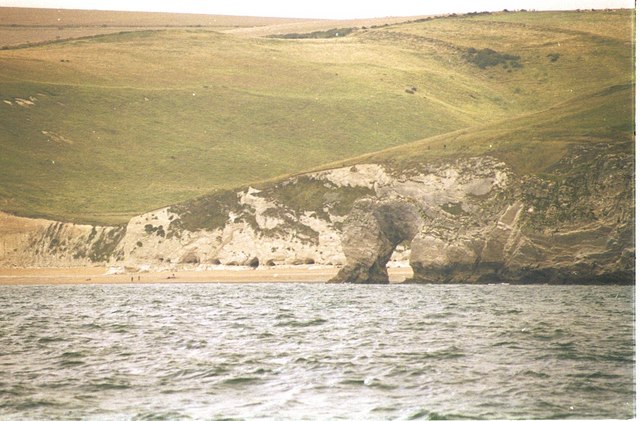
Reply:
x=316, y=351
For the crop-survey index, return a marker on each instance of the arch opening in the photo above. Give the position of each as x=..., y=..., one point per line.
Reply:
x=373, y=231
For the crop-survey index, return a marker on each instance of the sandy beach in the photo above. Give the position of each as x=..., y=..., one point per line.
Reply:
x=99, y=275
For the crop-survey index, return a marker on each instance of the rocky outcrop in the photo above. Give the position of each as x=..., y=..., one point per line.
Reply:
x=429, y=209
x=471, y=220
x=372, y=232
x=294, y=222
x=252, y=228
x=576, y=225
x=27, y=242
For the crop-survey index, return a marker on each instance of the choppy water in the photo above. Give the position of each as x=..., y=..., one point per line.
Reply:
x=300, y=351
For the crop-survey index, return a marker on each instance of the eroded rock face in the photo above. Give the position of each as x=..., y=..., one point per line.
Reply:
x=476, y=222
x=431, y=209
x=372, y=232
x=466, y=220
x=27, y=242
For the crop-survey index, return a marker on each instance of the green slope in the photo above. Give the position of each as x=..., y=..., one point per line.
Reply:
x=125, y=123
x=532, y=143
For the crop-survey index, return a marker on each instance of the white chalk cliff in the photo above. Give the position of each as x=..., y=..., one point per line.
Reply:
x=466, y=220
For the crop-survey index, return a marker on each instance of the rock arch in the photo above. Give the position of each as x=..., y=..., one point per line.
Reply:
x=373, y=230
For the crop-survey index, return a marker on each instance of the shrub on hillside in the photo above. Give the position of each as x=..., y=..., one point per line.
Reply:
x=553, y=57
x=330, y=33
x=489, y=58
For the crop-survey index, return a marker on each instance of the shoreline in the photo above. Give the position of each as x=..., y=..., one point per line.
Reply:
x=237, y=275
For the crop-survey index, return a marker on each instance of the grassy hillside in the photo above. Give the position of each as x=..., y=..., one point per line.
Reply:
x=22, y=26
x=102, y=128
x=532, y=143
